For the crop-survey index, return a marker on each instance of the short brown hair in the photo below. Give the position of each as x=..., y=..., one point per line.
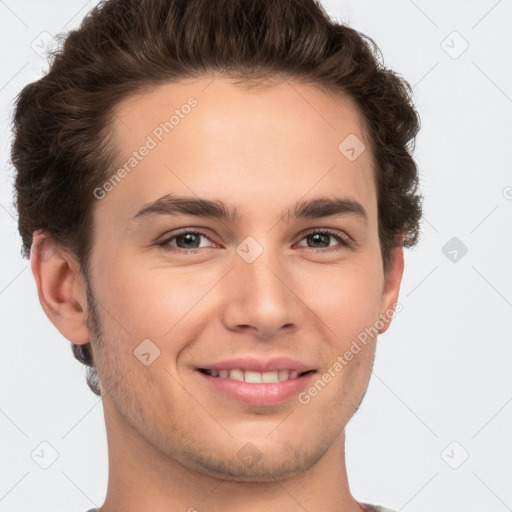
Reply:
x=62, y=149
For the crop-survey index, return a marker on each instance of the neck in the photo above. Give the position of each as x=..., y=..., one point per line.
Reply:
x=143, y=478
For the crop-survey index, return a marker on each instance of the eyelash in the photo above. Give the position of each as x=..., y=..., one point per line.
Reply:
x=344, y=240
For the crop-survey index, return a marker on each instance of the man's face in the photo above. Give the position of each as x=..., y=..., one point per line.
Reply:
x=260, y=287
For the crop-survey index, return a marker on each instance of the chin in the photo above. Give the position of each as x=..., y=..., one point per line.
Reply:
x=253, y=465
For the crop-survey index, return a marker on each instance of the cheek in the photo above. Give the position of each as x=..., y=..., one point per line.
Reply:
x=347, y=298
x=151, y=301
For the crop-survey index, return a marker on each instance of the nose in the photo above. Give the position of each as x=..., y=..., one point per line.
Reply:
x=261, y=298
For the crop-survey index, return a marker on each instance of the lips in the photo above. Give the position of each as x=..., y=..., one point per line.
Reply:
x=256, y=381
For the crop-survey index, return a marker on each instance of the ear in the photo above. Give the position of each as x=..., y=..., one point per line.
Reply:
x=61, y=288
x=391, y=288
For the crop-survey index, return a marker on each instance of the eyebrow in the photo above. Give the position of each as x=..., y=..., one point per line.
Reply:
x=199, y=207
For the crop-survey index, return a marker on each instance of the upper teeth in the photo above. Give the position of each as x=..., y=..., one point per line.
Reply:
x=254, y=377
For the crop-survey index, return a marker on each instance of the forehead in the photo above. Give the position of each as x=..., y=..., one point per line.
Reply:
x=212, y=138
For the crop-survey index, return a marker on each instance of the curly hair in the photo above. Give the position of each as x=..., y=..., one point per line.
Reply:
x=62, y=147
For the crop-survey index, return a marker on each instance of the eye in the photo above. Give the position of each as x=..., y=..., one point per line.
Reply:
x=184, y=240
x=322, y=238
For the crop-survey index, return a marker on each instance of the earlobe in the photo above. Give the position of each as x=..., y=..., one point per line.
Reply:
x=60, y=287
x=391, y=288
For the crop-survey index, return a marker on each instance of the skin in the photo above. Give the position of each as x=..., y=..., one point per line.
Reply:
x=172, y=440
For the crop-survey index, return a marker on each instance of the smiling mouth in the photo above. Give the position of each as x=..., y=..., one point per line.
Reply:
x=252, y=377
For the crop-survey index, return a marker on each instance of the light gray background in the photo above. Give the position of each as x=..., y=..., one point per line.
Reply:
x=442, y=383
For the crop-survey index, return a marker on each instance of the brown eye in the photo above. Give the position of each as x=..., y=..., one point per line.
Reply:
x=322, y=239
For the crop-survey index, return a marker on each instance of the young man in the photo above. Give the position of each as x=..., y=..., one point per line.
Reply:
x=215, y=197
